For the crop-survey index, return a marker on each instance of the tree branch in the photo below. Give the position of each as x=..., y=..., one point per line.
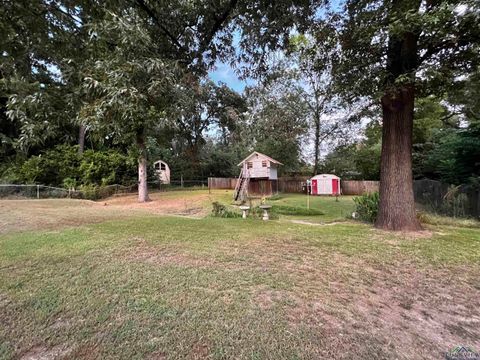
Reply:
x=150, y=12
x=217, y=25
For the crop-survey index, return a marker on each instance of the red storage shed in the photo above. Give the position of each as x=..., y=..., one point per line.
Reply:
x=325, y=184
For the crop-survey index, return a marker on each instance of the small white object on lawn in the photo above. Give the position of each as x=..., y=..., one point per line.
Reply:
x=265, y=211
x=244, y=211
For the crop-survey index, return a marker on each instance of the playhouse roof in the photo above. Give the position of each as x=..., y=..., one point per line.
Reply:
x=262, y=155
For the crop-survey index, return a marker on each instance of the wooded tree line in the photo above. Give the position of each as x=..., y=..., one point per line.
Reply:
x=129, y=80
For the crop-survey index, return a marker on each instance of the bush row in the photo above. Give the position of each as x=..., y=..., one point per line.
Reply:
x=63, y=166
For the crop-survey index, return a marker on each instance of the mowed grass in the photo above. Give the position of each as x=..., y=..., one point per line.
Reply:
x=333, y=209
x=315, y=209
x=160, y=287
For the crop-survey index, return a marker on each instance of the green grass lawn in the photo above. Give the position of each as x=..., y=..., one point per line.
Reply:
x=330, y=208
x=333, y=209
x=162, y=287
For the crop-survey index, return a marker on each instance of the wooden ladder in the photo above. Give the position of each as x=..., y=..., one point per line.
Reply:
x=241, y=189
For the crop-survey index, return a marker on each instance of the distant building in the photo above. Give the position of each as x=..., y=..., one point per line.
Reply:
x=258, y=176
x=163, y=171
x=325, y=184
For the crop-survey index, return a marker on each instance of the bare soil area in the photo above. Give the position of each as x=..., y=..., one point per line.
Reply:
x=23, y=215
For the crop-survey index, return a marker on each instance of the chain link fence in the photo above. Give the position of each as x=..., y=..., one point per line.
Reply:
x=34, y=191
x=37, y=191
x=457, y=201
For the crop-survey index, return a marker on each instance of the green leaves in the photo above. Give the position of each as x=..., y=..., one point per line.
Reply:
x=128, y=86
x=445, y=39
x=366, y=206
x=64, y=166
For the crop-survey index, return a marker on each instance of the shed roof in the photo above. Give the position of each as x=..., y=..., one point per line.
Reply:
x=325, y=176
x=260, y=154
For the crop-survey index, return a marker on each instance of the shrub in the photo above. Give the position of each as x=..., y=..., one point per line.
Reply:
x=455, y=203
x=51, y=167
x=366, y=206
x=434, y=219
x=220, y=210
x=292, y=210
x=107, y=167
x=89, y=192
x=275, y=197
x=63, y=165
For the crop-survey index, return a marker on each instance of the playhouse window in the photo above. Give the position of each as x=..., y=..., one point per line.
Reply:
x=163, y=167
x=157, y=166
x=264, y=163
x=249, y=165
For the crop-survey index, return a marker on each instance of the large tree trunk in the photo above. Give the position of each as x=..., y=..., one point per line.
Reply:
x=142, y=169
x=316, y=164
x=397, y=206
x=81, y=139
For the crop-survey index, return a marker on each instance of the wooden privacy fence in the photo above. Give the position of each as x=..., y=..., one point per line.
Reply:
x=359, y=187
x=292, y=185
x=265, y=187
x=221, y=183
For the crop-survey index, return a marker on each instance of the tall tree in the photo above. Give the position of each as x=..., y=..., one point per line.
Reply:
x=277, y=119
x=31, y=44
x=390, y=51
x=312, y=64
x=129, y=86
x=42, y=49
x=204, y=106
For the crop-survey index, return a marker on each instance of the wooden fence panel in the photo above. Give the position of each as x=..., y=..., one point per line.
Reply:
x=359, y=187
x=221, y=183
x=293, y=185
x=262, y=187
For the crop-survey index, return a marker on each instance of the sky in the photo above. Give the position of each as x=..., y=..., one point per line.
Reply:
x=224, y=73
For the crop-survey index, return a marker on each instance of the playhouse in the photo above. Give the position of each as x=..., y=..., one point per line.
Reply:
x=258, y=175
x=163, y=171
x=325, y=184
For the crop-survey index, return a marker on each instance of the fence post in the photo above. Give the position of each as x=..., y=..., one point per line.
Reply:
x=181, y=181
x=38, y=191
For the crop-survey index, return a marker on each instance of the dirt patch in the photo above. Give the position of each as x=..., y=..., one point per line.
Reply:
x=145, y=252
x=395, y=308
x=404, y=235
x=199, y=351
x=52, y=214
x=410, y=314
x=165, y=203
x=157, y=355
x=267, y=298
x=422, y=308
x=44, y=353
x=60, y=323
x=86, y=351
x=24, y=215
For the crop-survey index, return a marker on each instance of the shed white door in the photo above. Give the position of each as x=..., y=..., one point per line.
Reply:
x=324, y=186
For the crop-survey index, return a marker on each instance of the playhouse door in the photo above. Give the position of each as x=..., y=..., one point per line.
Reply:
x=335, y=187
x=314, y=187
